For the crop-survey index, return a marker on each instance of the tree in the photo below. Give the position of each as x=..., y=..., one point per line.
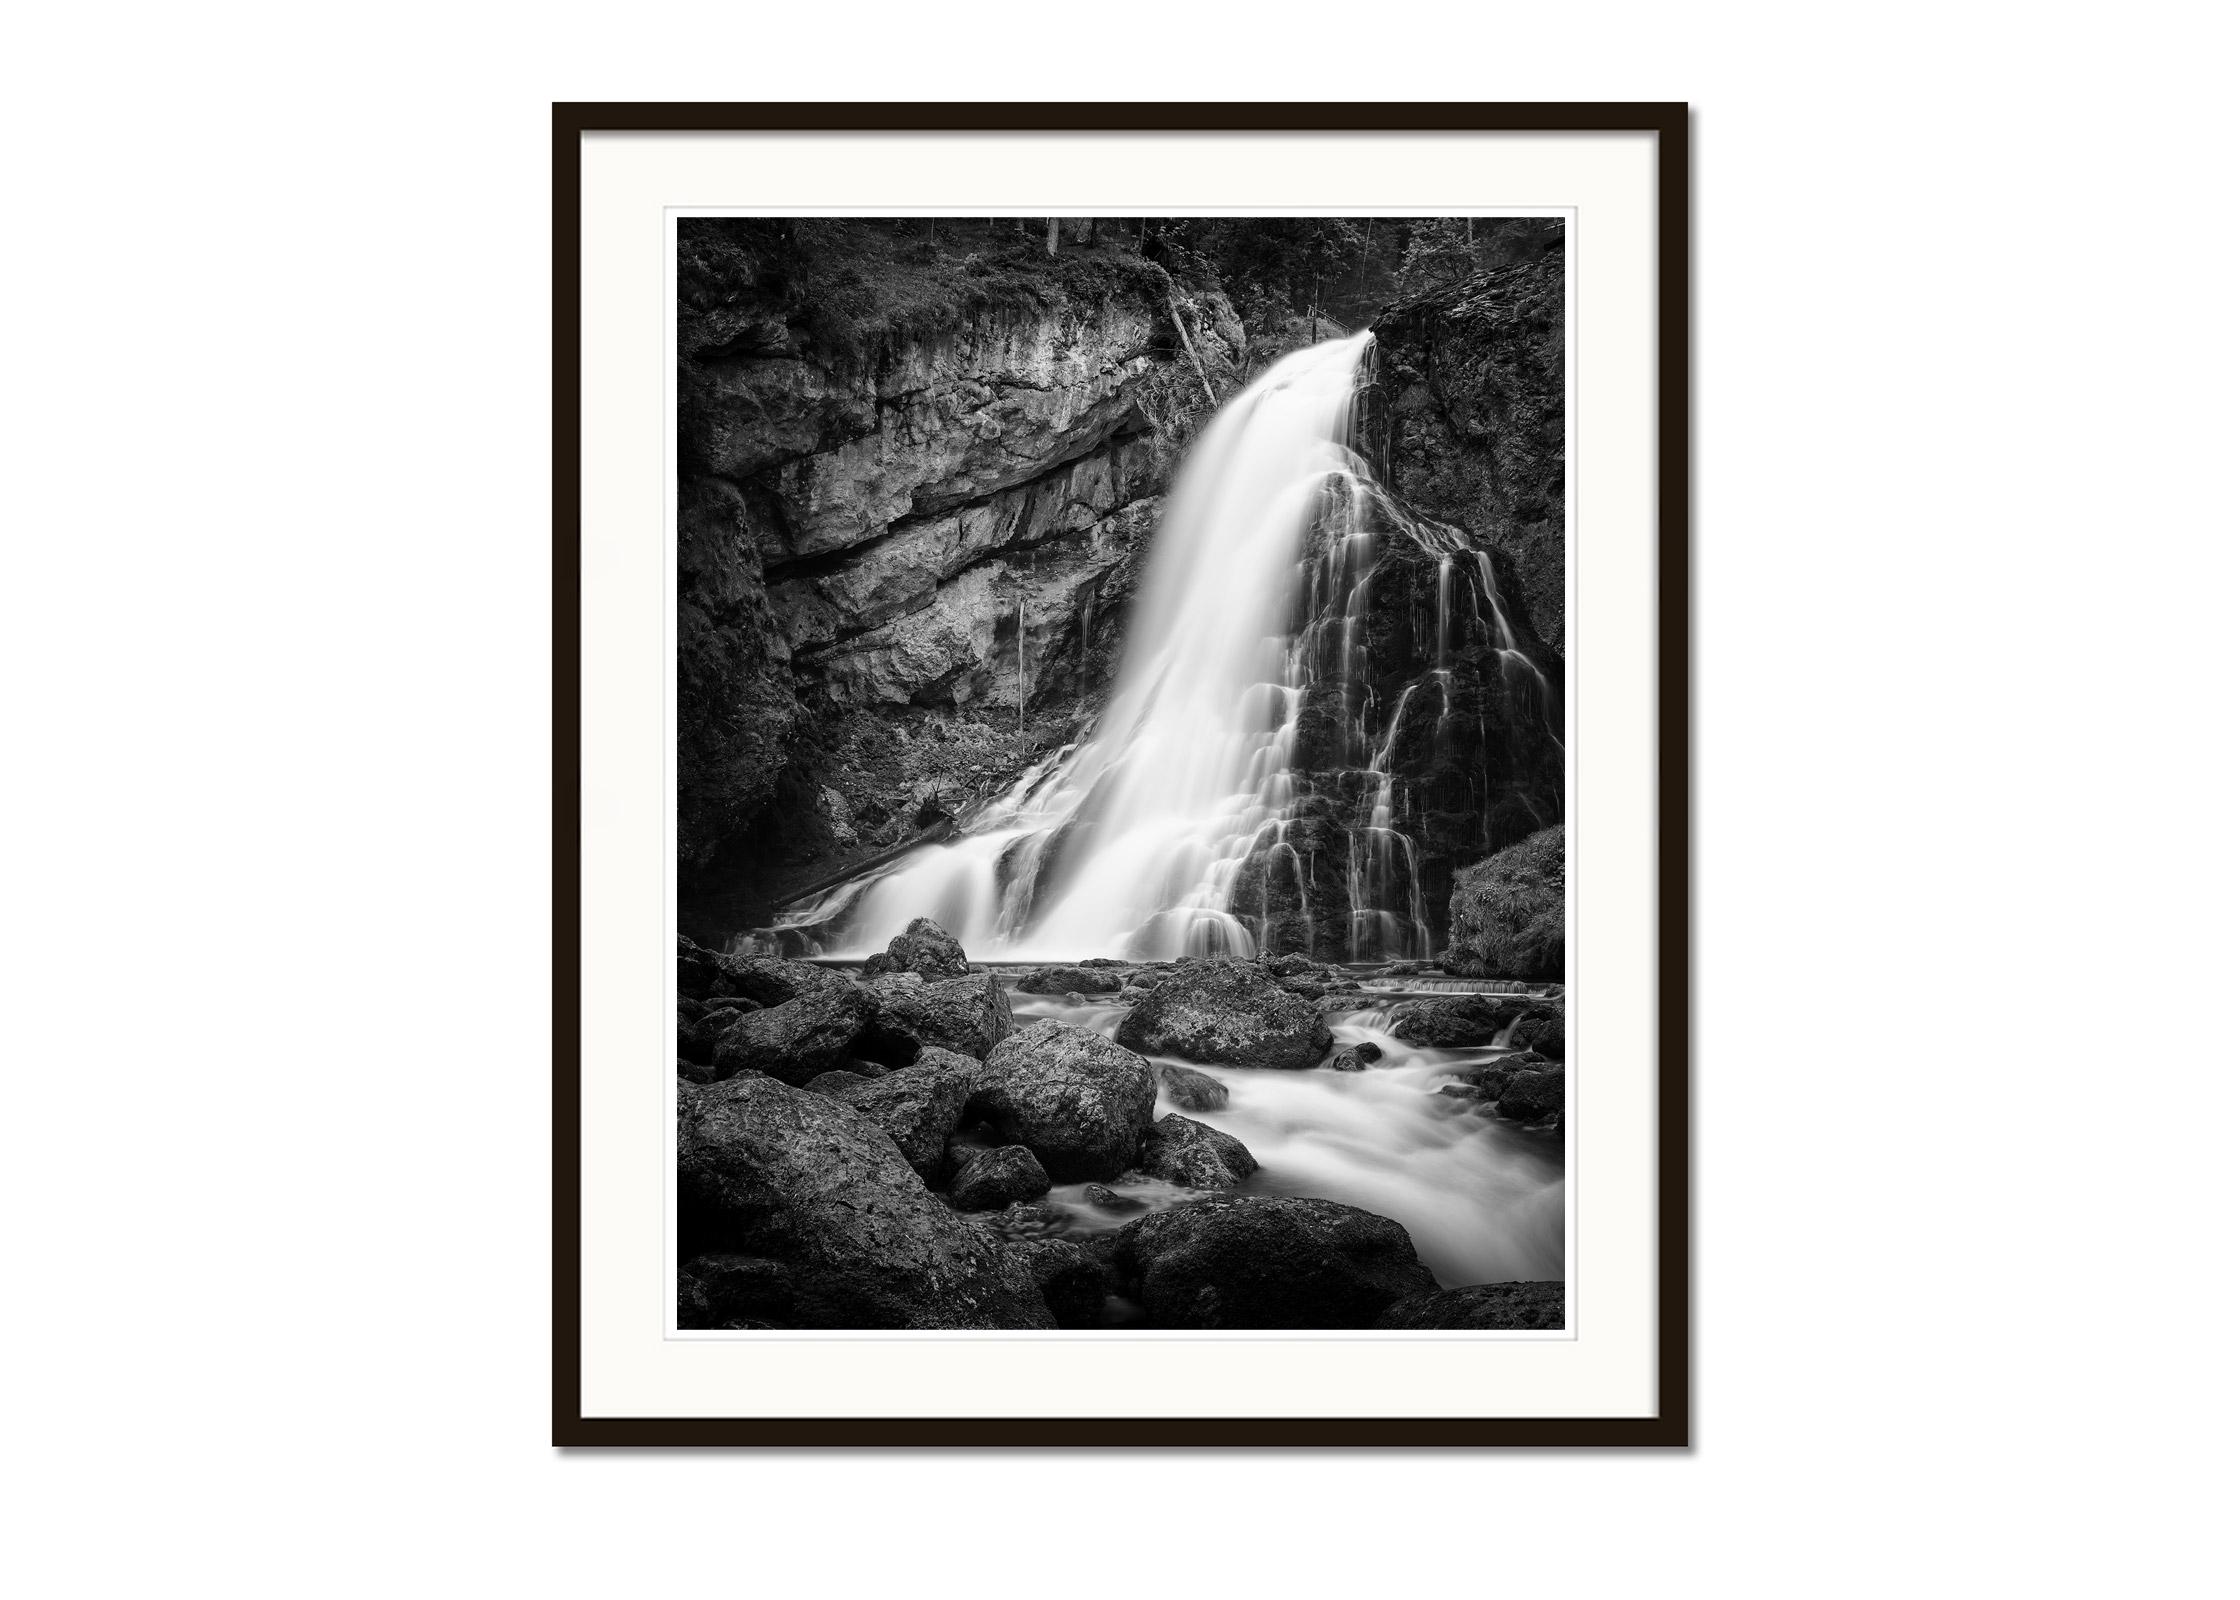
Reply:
x=1050, y=245
x=1440, y=250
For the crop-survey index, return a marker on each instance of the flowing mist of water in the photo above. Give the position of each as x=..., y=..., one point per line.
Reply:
x=1130, y=842
x=1481, y=1199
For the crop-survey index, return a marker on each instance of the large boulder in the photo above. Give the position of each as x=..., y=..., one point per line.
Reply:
x=1229, y=1012
x=1194, y=1155
x=1480, y=1305
x=925, y=947
x=965, y=1015
x=1070, y=980
x=1455, y=1021
x=1080, y=1102
x=697, y=969
x=697, y=1033
x=1505, y=917
x=779, y=1174
x=1262, y=1261
x=1541, y=1029
x=1528, y=1096
x=989, y=1180
x=1193, y=1091
x=797, y=1040
x=918, y=1106
x=771, y=981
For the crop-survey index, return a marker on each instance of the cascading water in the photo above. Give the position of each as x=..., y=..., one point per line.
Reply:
x=1130, y=843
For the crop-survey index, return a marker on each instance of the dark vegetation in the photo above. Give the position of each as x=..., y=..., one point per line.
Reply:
x=852, y=283
x=1508, y=912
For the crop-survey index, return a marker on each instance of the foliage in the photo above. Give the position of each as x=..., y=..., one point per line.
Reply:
x=1508, y=910
x=854, y=285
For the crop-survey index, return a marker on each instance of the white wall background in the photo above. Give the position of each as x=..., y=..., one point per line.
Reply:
x=271, y=642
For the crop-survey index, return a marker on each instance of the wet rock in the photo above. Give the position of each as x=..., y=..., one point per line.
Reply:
x=1450, y=1022
x=1193, y=1091
x=1073, y=1283
x=797, y=1040
x=1074, y=980
x=800, y=1179
x=1480, y=1305
x=1472, y=381
x=1194, y=1155
x=1351, y=1059
x=1530, y=1095
x=919, y=1106
x=1262, y=1261
x=770, y=981
x=1228, y=1012
x=925, y=947
x=1107, y=1200
x=773, y=1172
x=1080, y=1102
x=992, y=1179
x=727, y=1290
x=1025, y=1219
x=967, y=1015
x=1506, y=914
x=1540, y=1029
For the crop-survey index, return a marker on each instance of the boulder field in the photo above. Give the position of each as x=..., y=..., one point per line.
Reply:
x=873, y=1150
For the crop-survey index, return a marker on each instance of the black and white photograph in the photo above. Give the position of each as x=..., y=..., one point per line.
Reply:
x=918, y=800
x=1121, y=774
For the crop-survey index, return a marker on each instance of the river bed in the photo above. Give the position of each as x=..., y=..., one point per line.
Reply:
x=1481, y=1197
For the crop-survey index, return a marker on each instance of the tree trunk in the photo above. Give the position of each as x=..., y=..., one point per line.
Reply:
x=1050, y=245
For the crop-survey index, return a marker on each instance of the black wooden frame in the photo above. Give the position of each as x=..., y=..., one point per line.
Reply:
x=1668, y=121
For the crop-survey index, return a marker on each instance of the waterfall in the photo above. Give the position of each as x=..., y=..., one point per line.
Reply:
x=1130, y=842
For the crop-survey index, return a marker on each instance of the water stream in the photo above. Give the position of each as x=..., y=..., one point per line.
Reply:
x=1481, y=1198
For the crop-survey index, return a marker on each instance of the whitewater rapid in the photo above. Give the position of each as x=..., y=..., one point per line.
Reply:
x=1481, y=1198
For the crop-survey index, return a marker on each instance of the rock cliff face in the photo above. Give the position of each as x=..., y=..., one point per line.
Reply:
x=1466, y=425
x=1471, y=387
x=905, y=544
x=1460, y=744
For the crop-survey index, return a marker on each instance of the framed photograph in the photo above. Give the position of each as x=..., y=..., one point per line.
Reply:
x=1121, y=774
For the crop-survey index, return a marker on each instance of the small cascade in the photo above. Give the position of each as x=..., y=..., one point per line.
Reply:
x=1518, y=674
x=1243, y=745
